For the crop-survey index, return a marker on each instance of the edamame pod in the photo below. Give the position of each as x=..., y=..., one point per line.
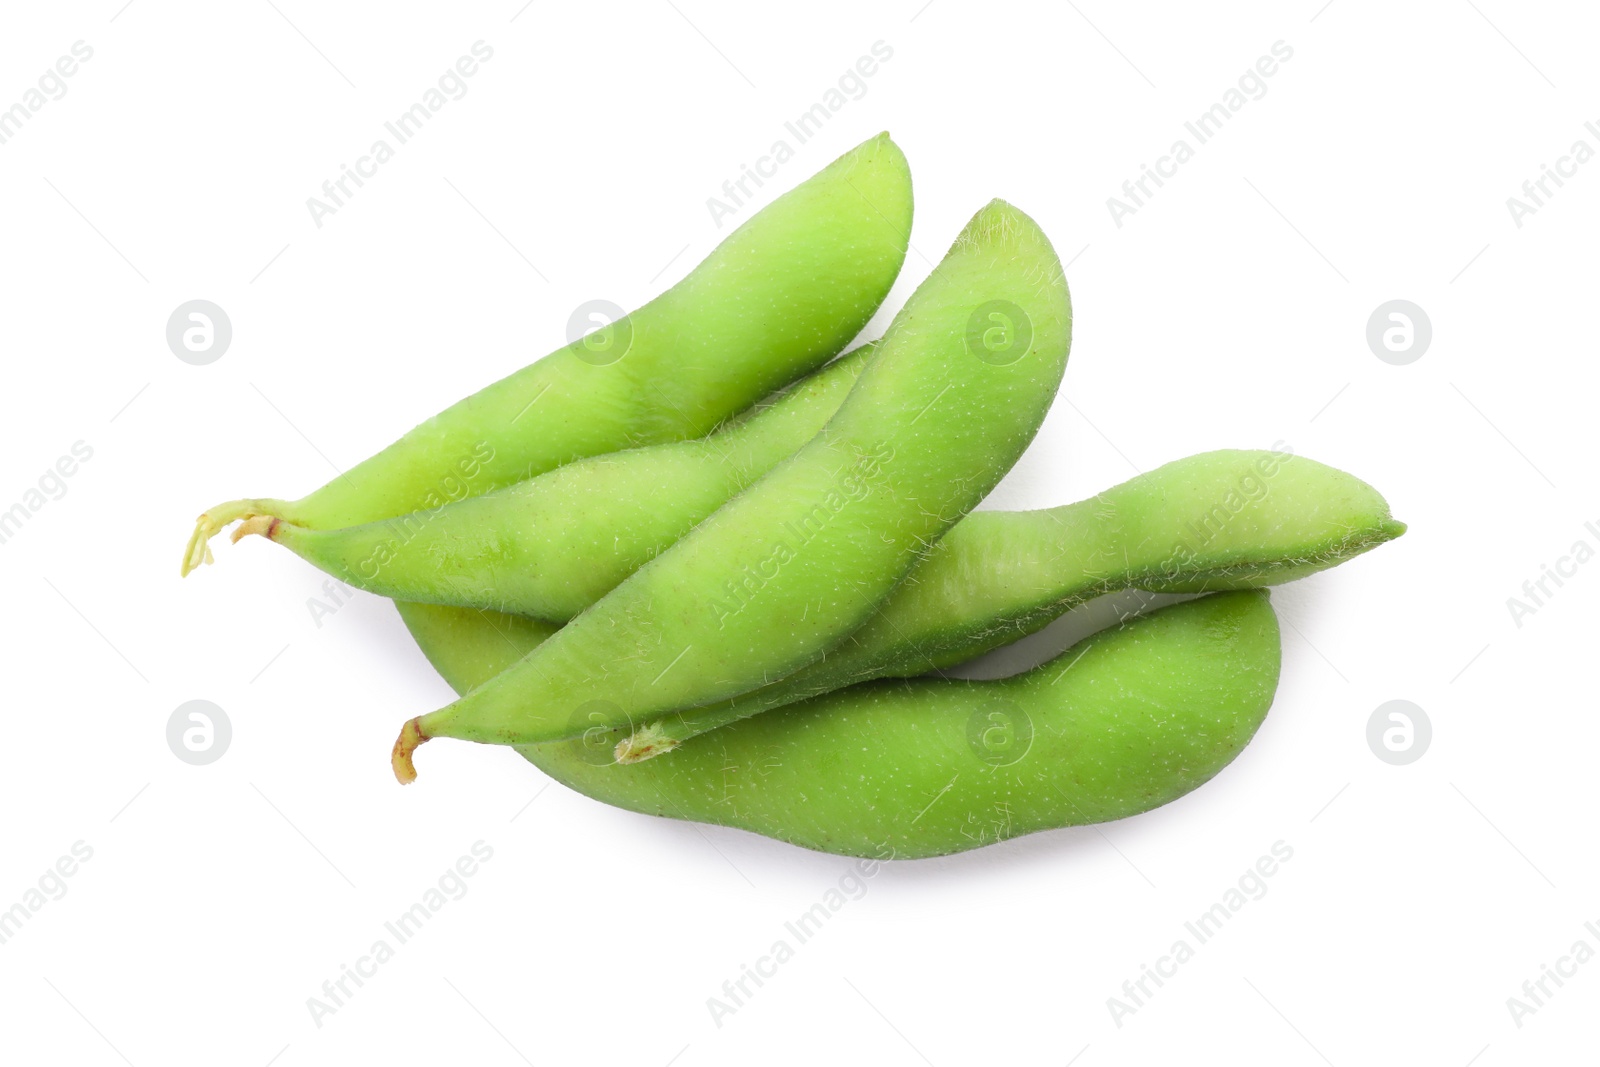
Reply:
x=553, y=545
x=1218, y=520
x=953, y=394
x=778, y=297
x=1123, y=722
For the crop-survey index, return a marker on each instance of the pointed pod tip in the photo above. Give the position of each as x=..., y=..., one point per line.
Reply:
x=880, y=145
x=1000, y=222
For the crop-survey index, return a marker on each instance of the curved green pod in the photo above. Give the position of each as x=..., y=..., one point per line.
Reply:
x=1125, y=721
x=953, y=394
x=1217, y=520
x=553, y=545
x=784, y=292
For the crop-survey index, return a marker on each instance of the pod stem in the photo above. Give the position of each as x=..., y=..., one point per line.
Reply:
x=645, y=743
x=211, y=522
x=262, y=525
x=411, y=736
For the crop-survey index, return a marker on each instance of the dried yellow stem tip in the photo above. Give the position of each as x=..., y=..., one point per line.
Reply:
x=411, y=736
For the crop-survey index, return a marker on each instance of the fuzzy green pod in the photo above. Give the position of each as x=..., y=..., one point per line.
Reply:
x=553, y=545
x=778, y=297
x=951, y=397
x=1125, y=721
x=1217, y=520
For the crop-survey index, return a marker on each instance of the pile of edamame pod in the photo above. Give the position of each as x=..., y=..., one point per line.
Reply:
x=699, y=564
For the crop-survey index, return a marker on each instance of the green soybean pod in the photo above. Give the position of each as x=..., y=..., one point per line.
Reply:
x=783, y=293
x=953, y=394
x=1218, y=520
x=951, y=397
x=553, y=545
x=1125, y=721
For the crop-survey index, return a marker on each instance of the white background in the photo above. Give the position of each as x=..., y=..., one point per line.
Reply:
x=1230, y=311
